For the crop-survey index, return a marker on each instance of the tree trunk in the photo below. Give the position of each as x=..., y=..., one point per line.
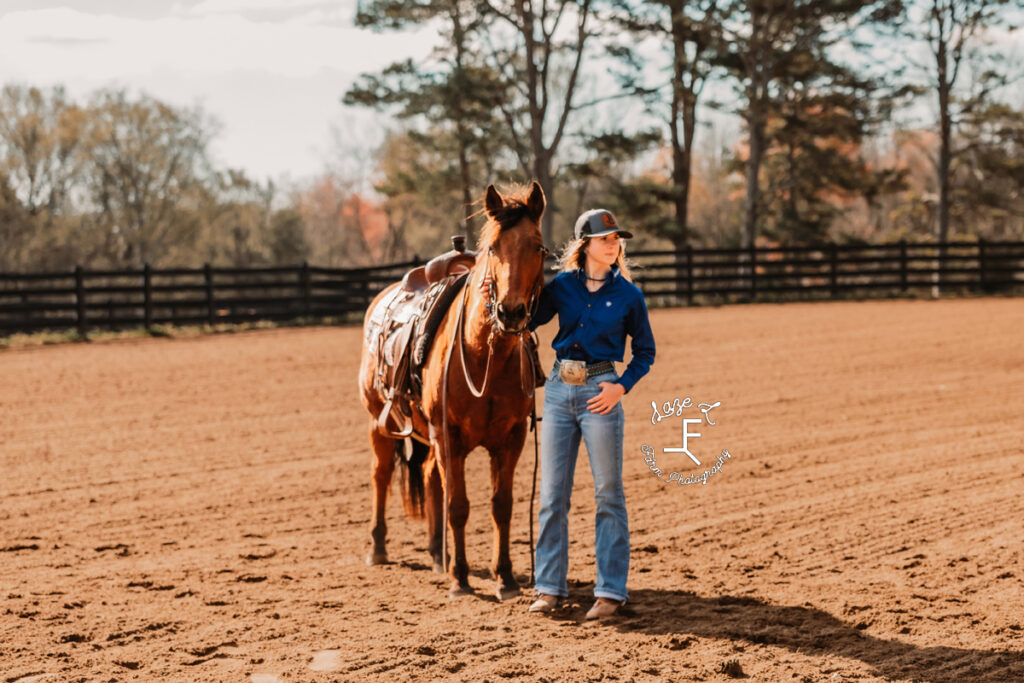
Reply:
x=680, y=186
x=467, y=191
x=945, y=157
x=462, y=135
x=542, y=170
x=684, y=107
x=753, y=172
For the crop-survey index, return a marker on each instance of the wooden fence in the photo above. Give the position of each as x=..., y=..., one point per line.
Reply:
x=92, y=299
x=830, y=270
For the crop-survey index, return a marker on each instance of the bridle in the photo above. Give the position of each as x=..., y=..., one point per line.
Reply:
x=496, y=326
x=492, y=293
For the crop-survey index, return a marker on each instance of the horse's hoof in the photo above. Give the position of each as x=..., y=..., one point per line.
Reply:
x=458, y=590
x=376, y=558
x=439, y=568
x=504, y=593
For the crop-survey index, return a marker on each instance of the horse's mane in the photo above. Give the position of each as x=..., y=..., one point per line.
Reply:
x=514, y=210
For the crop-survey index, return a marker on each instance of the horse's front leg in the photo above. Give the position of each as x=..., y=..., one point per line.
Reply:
x=458, y=514
x=503, y=468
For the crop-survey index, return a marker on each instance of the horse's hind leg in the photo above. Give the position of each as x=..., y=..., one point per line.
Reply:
x=383, y=466
x=434, y=515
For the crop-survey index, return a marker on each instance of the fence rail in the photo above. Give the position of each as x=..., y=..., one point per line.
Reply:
x=144, y=297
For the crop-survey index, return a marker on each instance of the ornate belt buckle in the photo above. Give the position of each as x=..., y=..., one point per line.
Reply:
x=573, y=371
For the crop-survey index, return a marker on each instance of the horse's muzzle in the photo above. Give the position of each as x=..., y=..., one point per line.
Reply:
x=511, y=320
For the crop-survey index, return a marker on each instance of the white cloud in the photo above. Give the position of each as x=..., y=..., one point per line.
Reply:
x=274, y=85
x=64, y=44
x=241, y=6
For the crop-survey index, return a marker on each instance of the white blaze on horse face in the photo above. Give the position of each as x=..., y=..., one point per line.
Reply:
x=513, y=278
x=502, y=279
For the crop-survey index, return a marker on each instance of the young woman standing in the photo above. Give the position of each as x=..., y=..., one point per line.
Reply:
x=597, y=306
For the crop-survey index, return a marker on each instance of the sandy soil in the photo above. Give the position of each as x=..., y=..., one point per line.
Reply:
x=197, y=510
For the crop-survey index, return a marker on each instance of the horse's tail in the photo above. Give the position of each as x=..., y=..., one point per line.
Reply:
x=410, y=476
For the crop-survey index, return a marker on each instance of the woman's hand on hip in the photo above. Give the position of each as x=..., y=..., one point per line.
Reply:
x=603, y=403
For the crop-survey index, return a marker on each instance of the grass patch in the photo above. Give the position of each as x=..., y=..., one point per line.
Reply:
x=46, y=338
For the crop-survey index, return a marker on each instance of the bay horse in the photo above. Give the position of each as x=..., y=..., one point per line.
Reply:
x=477, y=390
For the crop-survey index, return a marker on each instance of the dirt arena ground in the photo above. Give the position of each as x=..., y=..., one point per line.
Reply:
x=196, y=509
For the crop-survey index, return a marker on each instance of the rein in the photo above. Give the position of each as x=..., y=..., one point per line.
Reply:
x=459, y=341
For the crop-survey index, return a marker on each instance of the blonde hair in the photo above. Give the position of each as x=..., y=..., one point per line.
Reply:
x=574, y=256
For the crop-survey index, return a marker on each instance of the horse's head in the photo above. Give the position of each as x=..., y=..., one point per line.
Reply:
x=512, y=254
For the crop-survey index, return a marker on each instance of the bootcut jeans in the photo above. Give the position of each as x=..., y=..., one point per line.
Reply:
x=565, y=419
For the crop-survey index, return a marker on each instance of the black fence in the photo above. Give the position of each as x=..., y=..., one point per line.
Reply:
x=146, y=297
x=830, y=270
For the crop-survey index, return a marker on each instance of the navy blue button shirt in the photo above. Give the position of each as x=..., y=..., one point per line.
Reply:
x=592, y=326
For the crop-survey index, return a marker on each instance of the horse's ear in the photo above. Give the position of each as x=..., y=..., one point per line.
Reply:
x=535, y=202
x=492, y=200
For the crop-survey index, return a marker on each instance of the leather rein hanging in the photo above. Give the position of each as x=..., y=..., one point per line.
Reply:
x=459, y=341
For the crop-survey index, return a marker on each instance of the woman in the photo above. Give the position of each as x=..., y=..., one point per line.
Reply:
x=597, y=306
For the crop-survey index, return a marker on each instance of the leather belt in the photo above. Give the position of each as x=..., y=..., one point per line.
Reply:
x=594, y=369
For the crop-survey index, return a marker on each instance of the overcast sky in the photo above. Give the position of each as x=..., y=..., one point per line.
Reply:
x=271, y=71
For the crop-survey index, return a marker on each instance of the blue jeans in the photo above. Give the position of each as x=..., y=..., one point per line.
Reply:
x=566, y=419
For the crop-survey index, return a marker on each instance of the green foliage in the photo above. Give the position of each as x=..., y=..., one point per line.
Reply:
x=15, y=228
x=123, y=181
x=988, y=174
x=145, y=167
x=287, y=240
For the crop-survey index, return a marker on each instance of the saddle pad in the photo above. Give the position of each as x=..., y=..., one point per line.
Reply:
x=391, y=306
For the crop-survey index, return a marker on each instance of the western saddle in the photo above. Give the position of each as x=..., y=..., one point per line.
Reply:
x=402, y=329
x=450, y=263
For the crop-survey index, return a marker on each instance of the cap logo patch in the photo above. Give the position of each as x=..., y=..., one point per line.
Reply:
x=609, y=220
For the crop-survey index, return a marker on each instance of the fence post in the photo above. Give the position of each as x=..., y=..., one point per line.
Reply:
x=834, y=261
x=208, y=275
x=689, y=274
x=753, y=270
x=306, y=289
x=80, y=299
x=147, y=295
x=677, y=274
x=903, y=265
x=981, y=263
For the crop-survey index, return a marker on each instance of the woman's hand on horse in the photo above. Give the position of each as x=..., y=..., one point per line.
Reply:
x=485, y=283
x=603, y=403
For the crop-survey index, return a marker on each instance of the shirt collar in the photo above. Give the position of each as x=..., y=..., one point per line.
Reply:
x=613, y=274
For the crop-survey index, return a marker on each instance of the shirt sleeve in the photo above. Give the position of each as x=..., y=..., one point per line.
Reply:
x=639, y=329
x=545, y=308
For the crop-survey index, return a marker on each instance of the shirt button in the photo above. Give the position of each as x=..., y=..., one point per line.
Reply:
x=581, y=324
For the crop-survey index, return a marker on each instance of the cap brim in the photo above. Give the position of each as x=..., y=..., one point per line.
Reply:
x=625, y=234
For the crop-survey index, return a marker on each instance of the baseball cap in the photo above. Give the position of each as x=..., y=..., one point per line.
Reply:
x=597, y=223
